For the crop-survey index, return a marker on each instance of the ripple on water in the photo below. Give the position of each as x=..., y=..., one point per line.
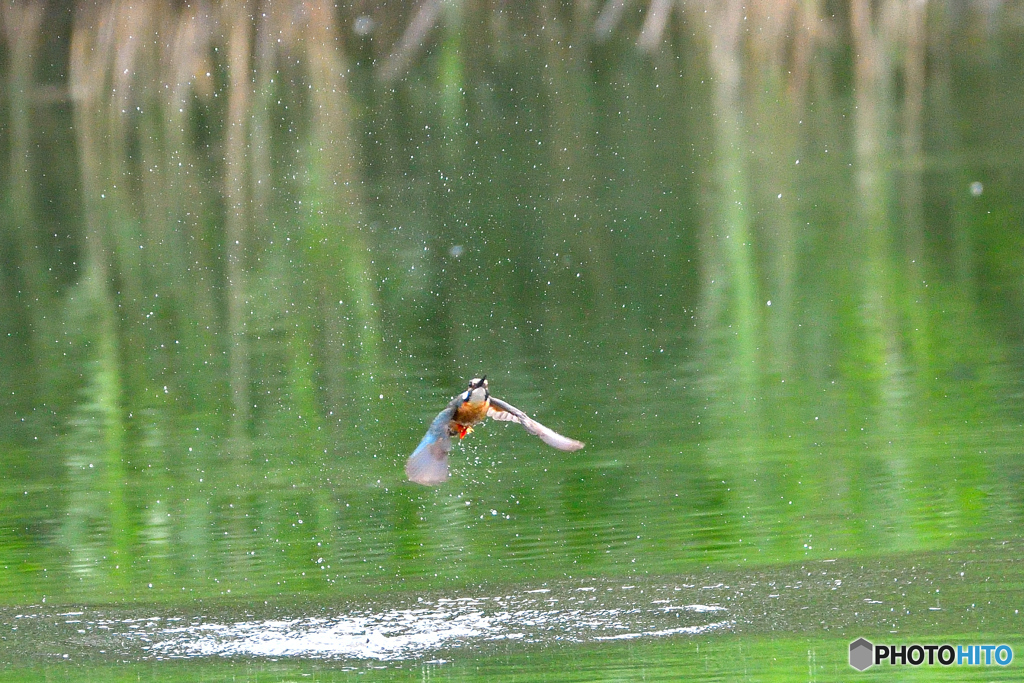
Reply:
x=441, y=623
x=411, y=627
x=933, y=593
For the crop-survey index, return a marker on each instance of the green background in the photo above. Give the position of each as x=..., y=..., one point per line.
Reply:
x=767, y=261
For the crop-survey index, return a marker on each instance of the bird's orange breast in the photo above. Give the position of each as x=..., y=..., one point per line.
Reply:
x=468, y=414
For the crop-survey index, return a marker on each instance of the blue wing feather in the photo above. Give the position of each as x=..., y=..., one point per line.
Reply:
x=428, y=464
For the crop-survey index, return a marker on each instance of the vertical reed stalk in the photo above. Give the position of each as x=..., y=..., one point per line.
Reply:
x=88, y=80
x=731, y=234
x=236, y=220
x=872, y=98
x=335, y=198
x=22, y=22
x=912, y=196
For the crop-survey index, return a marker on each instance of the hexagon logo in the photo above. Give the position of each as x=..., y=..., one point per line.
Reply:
x=861, y=654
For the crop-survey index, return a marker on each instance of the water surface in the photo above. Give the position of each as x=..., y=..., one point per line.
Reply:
x=779, y=297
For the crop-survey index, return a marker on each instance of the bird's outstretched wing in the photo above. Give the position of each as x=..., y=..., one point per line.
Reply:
x=428, y=464
x=500, y=410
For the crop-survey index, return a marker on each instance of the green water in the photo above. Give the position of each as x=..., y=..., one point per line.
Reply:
x=780, y=301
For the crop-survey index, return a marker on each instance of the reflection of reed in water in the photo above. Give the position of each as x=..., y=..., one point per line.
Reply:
x=146, y=84
x=162, y=123
x=236, y=197
x=162, y=103
x=22, y=23
x=226, y=257
x=344, y=282
x=729, y=279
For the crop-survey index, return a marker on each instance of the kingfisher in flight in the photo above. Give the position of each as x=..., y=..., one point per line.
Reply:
x=428, y=464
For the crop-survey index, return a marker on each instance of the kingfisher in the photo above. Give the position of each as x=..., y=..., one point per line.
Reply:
x=428, y=464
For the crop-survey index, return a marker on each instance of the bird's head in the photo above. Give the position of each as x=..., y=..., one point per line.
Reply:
x=477, y=390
